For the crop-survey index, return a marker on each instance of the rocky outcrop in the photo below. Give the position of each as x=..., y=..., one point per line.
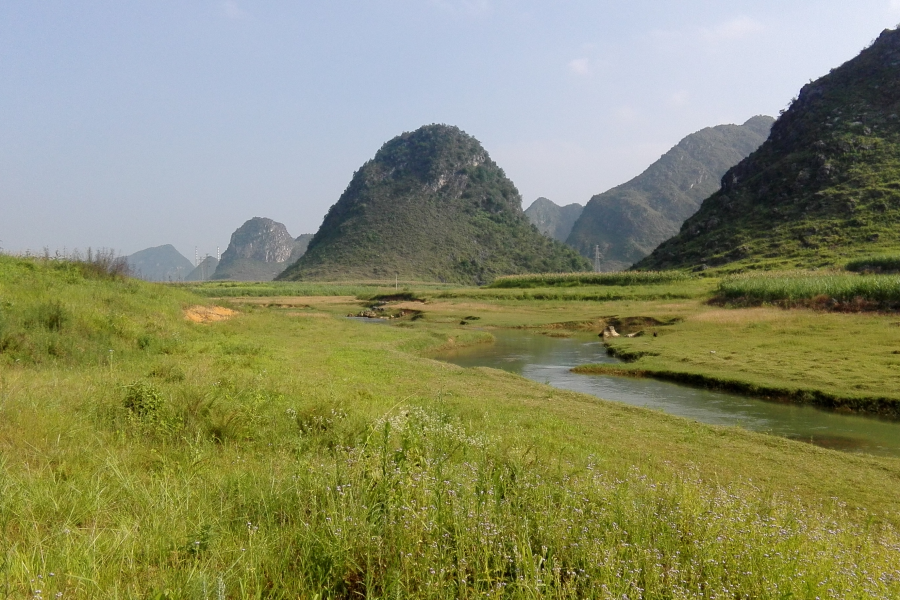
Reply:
x=259, y=250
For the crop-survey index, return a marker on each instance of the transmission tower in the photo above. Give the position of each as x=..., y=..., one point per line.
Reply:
x=597, y=258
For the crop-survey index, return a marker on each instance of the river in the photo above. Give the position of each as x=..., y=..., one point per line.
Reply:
x=549, y=360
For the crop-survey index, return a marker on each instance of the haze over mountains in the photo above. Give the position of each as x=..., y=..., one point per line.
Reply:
x=259, y=250
x=823, y=188
x=431, y=205
x=160, y=263
x=630, y=220
x=553, y=220
x=205, y=270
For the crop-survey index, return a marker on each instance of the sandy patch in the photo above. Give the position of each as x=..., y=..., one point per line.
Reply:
x=208, y=314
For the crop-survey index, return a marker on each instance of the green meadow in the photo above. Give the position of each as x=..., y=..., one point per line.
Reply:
x=288, y=452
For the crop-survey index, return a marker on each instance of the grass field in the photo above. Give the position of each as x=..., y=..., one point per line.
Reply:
x=834, y=291
x=620, y=278
x=886, y=263
x=289, y=453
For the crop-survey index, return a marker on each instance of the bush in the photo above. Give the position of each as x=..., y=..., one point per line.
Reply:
x=49, y=315
x=143, y=401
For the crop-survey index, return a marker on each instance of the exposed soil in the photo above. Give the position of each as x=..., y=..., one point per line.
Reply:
x=208, y=314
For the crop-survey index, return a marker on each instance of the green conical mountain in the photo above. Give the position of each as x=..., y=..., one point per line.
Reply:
x=552, y=219
x=823, y=188
x=630, y=220
x=433, y=206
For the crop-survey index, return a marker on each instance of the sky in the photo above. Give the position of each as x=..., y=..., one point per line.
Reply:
x=127, y=125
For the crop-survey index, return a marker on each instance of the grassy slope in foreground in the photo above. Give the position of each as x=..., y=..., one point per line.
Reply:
x=287, y=453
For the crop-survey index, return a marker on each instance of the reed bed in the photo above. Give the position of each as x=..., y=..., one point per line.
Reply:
x=833, y=290
x=619, y=278
x=876, y=264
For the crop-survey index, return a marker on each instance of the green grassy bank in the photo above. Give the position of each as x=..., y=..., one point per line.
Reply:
x=288, y=453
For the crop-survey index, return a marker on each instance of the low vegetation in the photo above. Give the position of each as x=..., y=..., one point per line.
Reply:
x=618, y=278
x=832, y=290
x=241, y=289
x=288, y=453
x=889, y=263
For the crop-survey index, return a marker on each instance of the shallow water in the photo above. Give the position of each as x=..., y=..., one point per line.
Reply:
x=549, y=360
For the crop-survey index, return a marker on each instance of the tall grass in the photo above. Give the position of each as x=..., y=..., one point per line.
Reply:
x=803, y=288
x=409, y=504
x=82, y=311
x=875, y=264
x=578, y=279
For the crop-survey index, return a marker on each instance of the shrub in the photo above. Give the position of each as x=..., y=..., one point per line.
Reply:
x=49, y=315
x=143, y=401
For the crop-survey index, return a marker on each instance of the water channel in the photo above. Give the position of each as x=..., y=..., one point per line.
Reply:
x=549, y=360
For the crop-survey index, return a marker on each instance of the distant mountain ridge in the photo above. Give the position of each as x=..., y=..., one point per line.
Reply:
x=825, y=187
x=553, y=220
x=203, y=271
x=631, y=219
x=259, y=250
x=159, y=263
x=431, y=205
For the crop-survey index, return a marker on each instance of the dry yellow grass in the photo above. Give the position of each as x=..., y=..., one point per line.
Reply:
x=208, y=314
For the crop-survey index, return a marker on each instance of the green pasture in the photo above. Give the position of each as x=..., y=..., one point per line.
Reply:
x=289, y=452
x=618, y=278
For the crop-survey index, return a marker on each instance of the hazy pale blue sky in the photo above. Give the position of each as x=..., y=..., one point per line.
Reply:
x=134, y=124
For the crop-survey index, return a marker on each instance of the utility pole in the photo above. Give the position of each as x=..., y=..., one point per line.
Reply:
x=597, y=258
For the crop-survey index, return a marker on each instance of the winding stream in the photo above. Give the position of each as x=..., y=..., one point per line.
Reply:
x=549, y=360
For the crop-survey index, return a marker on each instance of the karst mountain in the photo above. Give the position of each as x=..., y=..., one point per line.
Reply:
x=259, y=250
x=552, y=219
x=630, y=220
x=824, y=187
x=159, y=263
x=432, y=206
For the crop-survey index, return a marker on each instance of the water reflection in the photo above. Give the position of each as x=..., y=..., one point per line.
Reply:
x=549, y=360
